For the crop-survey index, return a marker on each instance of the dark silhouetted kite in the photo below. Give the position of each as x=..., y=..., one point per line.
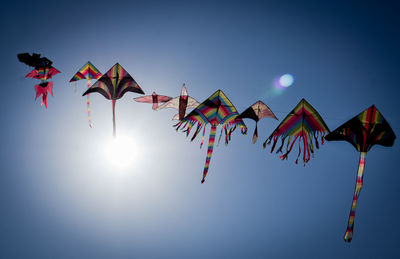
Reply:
x=256, y=112
x=113, y=85
x=363, y=131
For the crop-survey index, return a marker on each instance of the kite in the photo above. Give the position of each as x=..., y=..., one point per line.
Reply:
x=34, y=60
x=88, y=72
x=217, y=109
x=256, y=112
x=181, y=103
x=303, y=123
x=43, y=71
x=42, y=90
x=154, y=98
x=363, y=131
x=113, y=85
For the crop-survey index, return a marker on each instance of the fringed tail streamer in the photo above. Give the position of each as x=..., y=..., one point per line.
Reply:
x=220, y=134
x=209, y=151
x=202, y=137
x=350, y=225
x=304, y=138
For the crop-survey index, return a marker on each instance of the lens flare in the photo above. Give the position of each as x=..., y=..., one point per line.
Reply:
x=286, y=80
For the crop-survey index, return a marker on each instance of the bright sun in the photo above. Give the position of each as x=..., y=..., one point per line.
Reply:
x=120, y=152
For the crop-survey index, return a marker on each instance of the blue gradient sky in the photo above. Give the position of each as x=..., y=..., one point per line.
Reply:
x=61, y=199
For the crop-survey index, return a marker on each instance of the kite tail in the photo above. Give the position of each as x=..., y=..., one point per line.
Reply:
x=88, y=105
x=255, y=135
x=268, y=141
x=113, y=111
x=197, y=131
x=209, y=151
x=288, y=149
x=349, y=232
x=220, y=134
x=202, y=137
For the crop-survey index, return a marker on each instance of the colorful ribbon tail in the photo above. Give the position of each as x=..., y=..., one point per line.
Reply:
x=88, y=110
x=209, y=151
x=350, y=226
x=88, y=106
x=202, y=137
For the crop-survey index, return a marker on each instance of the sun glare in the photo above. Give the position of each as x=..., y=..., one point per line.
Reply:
x=120, y=152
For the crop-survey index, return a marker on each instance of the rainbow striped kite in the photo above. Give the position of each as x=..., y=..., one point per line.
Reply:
x=303, y=123
x=216, y=110
x=363, y=131
x=113, y=85
x=88, y=72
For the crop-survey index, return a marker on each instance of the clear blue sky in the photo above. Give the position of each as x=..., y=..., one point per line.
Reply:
x=60, y=198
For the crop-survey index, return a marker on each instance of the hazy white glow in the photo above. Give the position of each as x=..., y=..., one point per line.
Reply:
x=120, y=152
x=286, y=80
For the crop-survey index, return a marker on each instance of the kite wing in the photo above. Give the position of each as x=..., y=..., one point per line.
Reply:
x=34, y=60
x=256, y=112
x=363, y=131
x=144, y=99
x=216, y=110
x=155, y=99
x=173, y=103
x=43, y=73
x=163, y=98
x=192, y=103
x=303, y=123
